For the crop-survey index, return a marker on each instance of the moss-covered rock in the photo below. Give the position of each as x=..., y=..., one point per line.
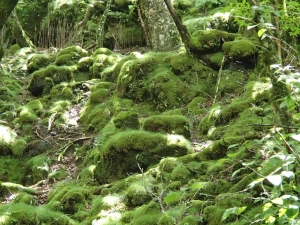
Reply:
x=239, y=49
x=36, y=169
x=85, y=63
x=69, y=198
x=126, y=120
x=11, y=170
x=139, y=147
x=39, y=61
x=22, y=213
x=137, y=195
x=209, y=40
x=181, y=173
x=18, y=147
x=38, y=83
x=147, y=214
x=70, y=56
x=213, y=215
x=174, y=124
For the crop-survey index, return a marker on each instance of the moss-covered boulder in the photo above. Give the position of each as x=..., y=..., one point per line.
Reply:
x=209, y=40
x=69, y=198
x=51, y=75
x=137, y=194
x=239, y=49
x=139, y=148
x=39, y=61
x=70, y=56
x=126, y=120
x=174, y=124
x=36, y=169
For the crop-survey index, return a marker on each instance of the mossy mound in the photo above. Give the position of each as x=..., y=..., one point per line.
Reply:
x=11, y=170
x=85, y=63
x=36, y=169
x=38, y=61
x=70, y=56
x=138, y=147
x=204, y=41
x=174, y=124
x=239, y=49
x=22, y=213
x=44, y=79
x=69, y=198
x=126, y=120
x=18, y=147
x=137, y=195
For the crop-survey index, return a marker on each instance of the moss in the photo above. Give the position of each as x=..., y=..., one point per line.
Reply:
x=233, y=82
x=14, y=48
x=230, y=200
x=209, y=40
x=239, y=49
x=101, y=61
x=57, y=175
x=26, y=198
x=26, y=214
x=181, y=173
x=175, y=185
x=165, y=219
x=167, y=164
x=69, y=198
x=136, y=195
x=39, y=61
x=104, y=51
x=139, y=147
x=61, y=91
x=11, y=170
x=99, y=96
x=147, y=214
x=181, y=63
x=196, y=106
x=36, y=106
x=243, y=183
x=259, y=91
x=85, y=63
x=215, y=60
x=127, y=216
x=191, y=220
x=210, y=119
x=175, y=124
x=25, y=115
x=38, y=83
x=18, y=147
x=59, y=107
x=7, y=138
x=215, y=151
x=126, y=120
x=213, y=215
x=36, y=169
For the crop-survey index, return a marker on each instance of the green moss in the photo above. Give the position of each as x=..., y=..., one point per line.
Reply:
x=127, y=216
x=58, y=175
x=104, y=51
x=21, y=213
x=243, y=183
x=209, y=40
x=69, y=198
x=259, y=91
x=181, y=173
x=36, y=169
x=213, y=215
x=14, y=48
x=101, y=61
x=165, y=219
x=139, y=147
x=26, y=198
x=126, y=120
x=232, y=82
x=18, y=147
x=85, y=63
x=38, y=83
x=230, y=200
x=167, y=164
x=216, y=150
x=181, y=63
x=26, y=115
x=59, y=107
x=191, y=220
x=36, y=106
x=147, y=214
x=210, y=119
x=175, y=185
x=175, y=124
x=39, y=61
x=137, y=195
x=238, y=49
x=11, y=170
x=99, y=96
x=196, y=106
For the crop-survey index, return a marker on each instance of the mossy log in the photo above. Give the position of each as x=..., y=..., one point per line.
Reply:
x=13, y=187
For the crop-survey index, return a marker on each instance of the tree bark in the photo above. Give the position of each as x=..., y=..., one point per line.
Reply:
x=184, y=34
x=161, y=30
x=6, y=7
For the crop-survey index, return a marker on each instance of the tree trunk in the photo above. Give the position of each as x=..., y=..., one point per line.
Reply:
x=6, y=7
x=159, y=25
x=184, y=34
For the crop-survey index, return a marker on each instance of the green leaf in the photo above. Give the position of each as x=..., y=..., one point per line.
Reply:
x=241, y=209
x=197, y=185
x=261, y=32
x=267, y=206
x=172, y=197
x=292, y=211
x=236, y=172
x=277, y=201
x=228, y=212
x=233, y=146
x=275, y=179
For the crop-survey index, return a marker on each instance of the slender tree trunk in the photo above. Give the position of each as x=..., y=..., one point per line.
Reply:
x=6, y=7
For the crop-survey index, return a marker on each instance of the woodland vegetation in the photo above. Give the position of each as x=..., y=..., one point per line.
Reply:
x=149, y=112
